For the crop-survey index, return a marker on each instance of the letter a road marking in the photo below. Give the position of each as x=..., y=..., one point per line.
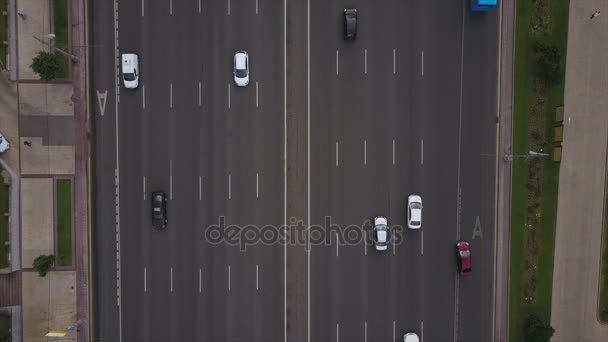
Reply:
x=477, y=230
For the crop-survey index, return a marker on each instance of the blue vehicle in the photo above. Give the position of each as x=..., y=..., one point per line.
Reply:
x=482, y=5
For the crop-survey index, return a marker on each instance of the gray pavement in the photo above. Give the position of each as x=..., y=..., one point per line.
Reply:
x=582, y=180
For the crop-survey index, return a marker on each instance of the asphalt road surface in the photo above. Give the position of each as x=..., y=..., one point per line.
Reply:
x=327, y=130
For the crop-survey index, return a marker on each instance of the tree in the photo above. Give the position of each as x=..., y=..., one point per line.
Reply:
x=536, y=330
x=43, y=264
x=548, y=58
x=46, y=65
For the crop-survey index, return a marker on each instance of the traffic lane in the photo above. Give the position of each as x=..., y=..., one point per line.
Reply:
x=104, y=229
x=130, y=27
x=154, y=101
x=240, y=165
x=478, y=176
x=185, y=116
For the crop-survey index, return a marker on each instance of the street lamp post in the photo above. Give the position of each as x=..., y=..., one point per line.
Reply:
x=51, y=37
x=529, y=155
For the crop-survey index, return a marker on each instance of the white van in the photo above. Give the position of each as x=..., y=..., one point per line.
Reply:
x=130, y=70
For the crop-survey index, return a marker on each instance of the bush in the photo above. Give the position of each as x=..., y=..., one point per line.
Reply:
x=43, y=264
x=548, y=58
x=46, y=65
x=535, y=330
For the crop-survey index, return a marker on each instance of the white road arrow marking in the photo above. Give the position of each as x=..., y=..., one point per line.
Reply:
x=101, y=99
x=477, y=230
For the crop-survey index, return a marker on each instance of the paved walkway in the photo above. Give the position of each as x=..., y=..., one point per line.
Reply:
x=582, y=178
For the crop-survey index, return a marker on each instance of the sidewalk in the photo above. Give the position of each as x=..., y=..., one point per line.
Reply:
x=582, y=178
x=46, y=121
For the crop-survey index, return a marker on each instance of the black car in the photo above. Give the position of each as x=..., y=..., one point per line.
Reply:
x=159, y=209
x=350, y=23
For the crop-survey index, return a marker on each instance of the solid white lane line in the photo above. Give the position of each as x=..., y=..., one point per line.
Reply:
x=393, y=241
x=422, y=63
x=229, y=186
x=366, y=61
x=170, y=95
x=199, y=6
x=142, y=8
x=257, y=185
x=257, y=277
x=365, y=331
x=393, y=151
x=364, y=152
x=117, y=172
x=394, y=61
x=337, y=245
x=171, y=279
x=421, y=151
x=308, y=253
x=170, y=7
x=456, y=300
x=200, y=280
x=256, y=95
x=144, y=183
x=143, y=96
x=171, y=179
x=228, y=95
x=228, y=7
x=422, y=242
x=228, y=277
x=285, y=165
x=337, y=62
x=337, y=332
x=199, y=93
x=256, y=6
x=421, y=330
x=145, y=280
x=393, y=330
x=337, y=154
x=200, y=188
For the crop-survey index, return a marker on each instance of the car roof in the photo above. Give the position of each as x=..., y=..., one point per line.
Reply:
x=239, y=59
x=382, y=235
x=416, y=215
x=128, y=61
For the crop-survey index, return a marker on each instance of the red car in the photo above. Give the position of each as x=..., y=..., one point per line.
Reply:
x=463, y=250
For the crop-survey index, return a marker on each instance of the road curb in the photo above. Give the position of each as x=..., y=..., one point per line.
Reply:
x=504, y=173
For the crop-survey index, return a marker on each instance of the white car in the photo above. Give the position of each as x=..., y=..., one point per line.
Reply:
x=381, y=233
x=130, y=70
x=411, y=337
x=241, y=68
x=4, y=144
x=414, y=211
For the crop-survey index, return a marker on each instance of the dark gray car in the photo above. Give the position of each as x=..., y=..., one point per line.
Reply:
x=350, y=23
x=159, y=210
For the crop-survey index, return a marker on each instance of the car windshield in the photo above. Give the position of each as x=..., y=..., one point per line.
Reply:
x=465, y=253
x=415, y=205
x=240, y=73
x=129, y=77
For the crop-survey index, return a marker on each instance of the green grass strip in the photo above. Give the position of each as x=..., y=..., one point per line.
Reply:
x=3, y=33
x=60, y=11
x=5, y=327
x=525, y=69
x=4, y=202
x=63, y=204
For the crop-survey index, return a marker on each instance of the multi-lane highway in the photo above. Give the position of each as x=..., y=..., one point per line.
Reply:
x=325, y=128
